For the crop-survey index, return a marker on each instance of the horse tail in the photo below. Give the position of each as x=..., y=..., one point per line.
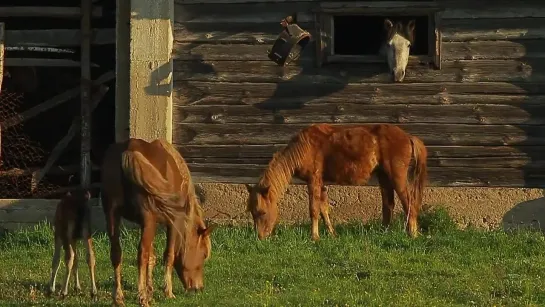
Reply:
x=143, y=174
x=420, y=171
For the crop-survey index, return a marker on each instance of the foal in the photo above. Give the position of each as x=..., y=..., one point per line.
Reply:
x=72, y=223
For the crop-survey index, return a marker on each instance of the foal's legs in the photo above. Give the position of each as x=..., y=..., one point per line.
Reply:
x=91, y=262
x=388, y=200
x=146, y=239
x=168, y=259
x=401, y=187
x=314, y=194
x=76, y=274
x=151, y=265
x=55, y=264
x=113, y=221
x=324, y=211
x=69, y=262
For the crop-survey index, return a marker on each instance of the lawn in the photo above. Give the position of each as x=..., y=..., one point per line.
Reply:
x=364, y=266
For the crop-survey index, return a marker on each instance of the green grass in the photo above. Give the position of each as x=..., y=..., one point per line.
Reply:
x=364, y=266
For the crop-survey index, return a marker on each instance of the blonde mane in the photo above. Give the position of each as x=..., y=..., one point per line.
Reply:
x=278, y=174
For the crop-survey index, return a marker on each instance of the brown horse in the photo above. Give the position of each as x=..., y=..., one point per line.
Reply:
x=73, y=223
x=149, y=183
x=342, y=155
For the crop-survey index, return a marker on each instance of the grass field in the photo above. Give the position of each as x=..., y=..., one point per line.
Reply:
x=364, y=266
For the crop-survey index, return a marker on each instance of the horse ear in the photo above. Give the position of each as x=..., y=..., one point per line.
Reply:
x=68, y=194
x=388, y=24
x=249, y=187
x=411, y=25
x=87, y=195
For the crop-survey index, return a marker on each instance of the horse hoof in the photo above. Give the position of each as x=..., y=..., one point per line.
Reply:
x=315, y=238
x=170, y=295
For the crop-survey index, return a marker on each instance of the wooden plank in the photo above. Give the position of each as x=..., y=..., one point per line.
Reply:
x=372, y=99
x=438, y=176
x=469, y=50
x=47, y=11
x=359, y=113
x=432, y=134
x=191, y=92
x=86, y=108
x=18, y=62
x=2, y=40
x=492, y=29
x=456, y=71
x=57, y=37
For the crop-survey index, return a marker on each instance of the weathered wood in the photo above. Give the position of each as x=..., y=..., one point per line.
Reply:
x=438, y=176
x=13, y=62
x=377, y=7
x=54, y=170
x=470, y=50
x=46, y=11
x=61, y=145
x=53, y=102
x=185, y=92
x=456, y=71
x=2, y=39
x=431, y=134
x=57, y=37
x=371, y=99
x=528, y=114
x=86, y=107
x=492, y=29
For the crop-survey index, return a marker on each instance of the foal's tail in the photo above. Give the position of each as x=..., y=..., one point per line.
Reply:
x=420, y=173
x=143, y=174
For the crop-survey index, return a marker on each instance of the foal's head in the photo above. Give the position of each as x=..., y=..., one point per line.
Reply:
x=189, y=261
x=264, y=213
x=399, y=38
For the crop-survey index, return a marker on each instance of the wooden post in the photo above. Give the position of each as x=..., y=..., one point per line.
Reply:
x=1, y=54
x=85, y=179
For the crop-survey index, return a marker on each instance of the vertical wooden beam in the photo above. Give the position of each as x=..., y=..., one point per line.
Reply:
x=85, y=166
x=1, y=54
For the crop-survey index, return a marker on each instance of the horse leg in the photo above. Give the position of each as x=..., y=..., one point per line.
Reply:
x=146, y=239
x=324, y=211
x=388, y=200
x=91, y=262
x=76, y=274
x=168, y=259
x=411, y=212
x=314, y=193
x=151, y=266
x=55, y=264
x=69, y=262
x=113, y=221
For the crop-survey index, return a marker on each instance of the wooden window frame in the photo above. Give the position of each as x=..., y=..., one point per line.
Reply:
x=324, y=23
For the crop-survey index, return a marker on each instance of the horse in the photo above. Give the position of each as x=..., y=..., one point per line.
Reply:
x=72, y=223
x=342, y=155
x=399, y=37
x=149, y=183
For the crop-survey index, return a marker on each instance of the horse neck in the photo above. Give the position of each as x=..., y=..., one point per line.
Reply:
x=278, y=174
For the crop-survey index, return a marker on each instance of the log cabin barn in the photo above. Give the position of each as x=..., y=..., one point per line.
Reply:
x=57, y=102
x=473, y=89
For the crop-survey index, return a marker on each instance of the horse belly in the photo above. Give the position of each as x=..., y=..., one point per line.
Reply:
x=348, y=172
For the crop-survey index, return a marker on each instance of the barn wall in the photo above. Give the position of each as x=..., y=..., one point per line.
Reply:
x=482, y=115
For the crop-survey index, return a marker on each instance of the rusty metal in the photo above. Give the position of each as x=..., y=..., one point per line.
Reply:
x=289, y=44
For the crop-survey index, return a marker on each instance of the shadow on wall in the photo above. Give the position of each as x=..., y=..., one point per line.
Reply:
x=531, y=159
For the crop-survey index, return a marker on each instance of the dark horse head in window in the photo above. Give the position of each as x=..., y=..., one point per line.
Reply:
x=397, y=45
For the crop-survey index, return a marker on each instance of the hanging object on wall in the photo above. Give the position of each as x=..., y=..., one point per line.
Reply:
x=289, y=44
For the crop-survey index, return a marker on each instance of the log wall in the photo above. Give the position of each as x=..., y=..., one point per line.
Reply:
x=482, y=115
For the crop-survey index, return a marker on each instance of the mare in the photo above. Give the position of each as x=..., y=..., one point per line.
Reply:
x=149, y=183
x=399, y=37
x=342, y=155
x=72, y=223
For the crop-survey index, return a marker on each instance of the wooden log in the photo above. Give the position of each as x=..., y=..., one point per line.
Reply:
x=53, y=102
x=54, y=170
x=61, y=145
x=47, y=11
x=438, y=176
x=273, y=113
x=456, y=71
x=185, y=92
x=492, y=29
x=57, y=37
x=300, y=101
x=469, y=50
x=431, y=134
x=14, y=62
x=86, y=108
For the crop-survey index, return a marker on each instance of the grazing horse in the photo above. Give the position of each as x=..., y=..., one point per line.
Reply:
x=342, y=155
x=397, y=46
x=149, y=183
x=73, y=223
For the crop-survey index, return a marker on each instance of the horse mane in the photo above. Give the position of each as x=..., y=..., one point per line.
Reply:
x=282, y=166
